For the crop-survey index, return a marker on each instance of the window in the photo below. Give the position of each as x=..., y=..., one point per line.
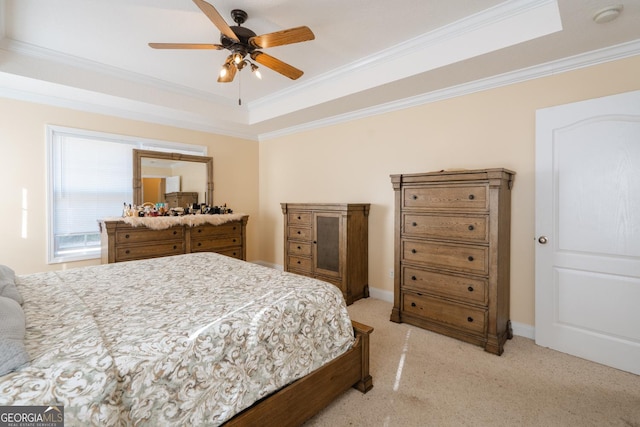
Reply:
x=90, y=177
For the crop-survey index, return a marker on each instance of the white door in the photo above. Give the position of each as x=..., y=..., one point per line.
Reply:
x=588, y=230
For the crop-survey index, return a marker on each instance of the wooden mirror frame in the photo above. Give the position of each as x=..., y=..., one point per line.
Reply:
x=137, y=170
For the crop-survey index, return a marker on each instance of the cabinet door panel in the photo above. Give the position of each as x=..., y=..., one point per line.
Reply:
x=327, y=240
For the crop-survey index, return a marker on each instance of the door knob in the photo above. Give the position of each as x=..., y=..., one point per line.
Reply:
x=543, y=240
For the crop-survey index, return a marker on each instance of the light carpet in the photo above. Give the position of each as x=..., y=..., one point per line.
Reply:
x=421, y=378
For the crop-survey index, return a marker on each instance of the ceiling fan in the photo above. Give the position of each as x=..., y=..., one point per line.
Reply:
x=243, y=42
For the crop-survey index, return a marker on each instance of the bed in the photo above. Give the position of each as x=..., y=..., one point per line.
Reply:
x=195, y=339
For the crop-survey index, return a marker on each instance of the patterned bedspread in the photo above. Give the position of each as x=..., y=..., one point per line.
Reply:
x=184, y=340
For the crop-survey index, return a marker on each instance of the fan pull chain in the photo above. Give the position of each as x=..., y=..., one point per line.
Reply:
x=239, y=87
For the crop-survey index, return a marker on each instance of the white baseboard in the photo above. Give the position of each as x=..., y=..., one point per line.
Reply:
x=523, y=330
x=381, y=294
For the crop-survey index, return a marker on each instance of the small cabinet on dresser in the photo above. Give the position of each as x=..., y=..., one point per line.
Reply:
x=452, y=250
x=181, y=199
x=123, y=242
x=329, y=241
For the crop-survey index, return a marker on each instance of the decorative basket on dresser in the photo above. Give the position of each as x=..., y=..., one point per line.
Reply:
x=329, y=241
x=452, y=250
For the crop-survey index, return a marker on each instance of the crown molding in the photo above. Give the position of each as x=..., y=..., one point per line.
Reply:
x=37, y=52
x=624, y=50
x=35, y=91
x=468, y=24
x=437, y=48
x=198, y=119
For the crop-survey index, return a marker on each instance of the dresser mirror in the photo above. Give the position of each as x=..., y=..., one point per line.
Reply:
x=172, y=178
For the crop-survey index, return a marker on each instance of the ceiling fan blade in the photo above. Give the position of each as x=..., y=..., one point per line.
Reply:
x=279, y=38
x=216, y=18
x=276, y=65
x=231, y=73
x=186, y=46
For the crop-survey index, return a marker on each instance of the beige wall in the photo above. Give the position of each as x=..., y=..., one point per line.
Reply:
x=351, y=162
x=23, y=168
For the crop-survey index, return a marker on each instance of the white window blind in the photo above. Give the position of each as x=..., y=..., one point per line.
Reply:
x=90, y=177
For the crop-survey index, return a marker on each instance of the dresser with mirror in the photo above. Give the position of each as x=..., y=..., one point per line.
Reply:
x=131, y=238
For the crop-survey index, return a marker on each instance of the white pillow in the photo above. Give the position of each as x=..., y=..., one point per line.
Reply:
x=12, y=329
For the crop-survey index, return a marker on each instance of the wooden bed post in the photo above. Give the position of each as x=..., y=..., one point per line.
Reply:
x=363, y=331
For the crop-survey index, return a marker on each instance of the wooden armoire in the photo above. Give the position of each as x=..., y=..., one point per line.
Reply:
x=329, y=241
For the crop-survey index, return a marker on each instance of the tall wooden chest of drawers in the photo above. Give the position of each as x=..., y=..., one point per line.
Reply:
x=329, y=241
x=452, y=250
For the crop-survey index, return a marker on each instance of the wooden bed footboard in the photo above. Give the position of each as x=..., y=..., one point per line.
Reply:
x=302, y=399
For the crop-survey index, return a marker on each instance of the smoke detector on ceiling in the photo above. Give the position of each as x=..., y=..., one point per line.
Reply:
x=607, y=14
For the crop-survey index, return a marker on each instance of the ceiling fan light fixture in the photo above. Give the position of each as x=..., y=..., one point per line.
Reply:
x=238, y=57
x=255, y=71
x=242, y=42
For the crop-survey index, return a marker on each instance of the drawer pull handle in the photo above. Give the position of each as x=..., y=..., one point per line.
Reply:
x=470, y=288
x=469, y=319
x=175, y=247
x=415, y=224
x=298, y=262
x=299, y=247
x=199, y=230
x=127, y=251
x=299, y=232
x=414, y=278
x=414, y=197
x=299, y=217
x=126, y=236
x=471, y=197
x=234, y=227
x=199, y=244
x=413, y=251
x=470, y=258
x=471, y=228
x=413, y=304
x=234, y=240
x=175, y=232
